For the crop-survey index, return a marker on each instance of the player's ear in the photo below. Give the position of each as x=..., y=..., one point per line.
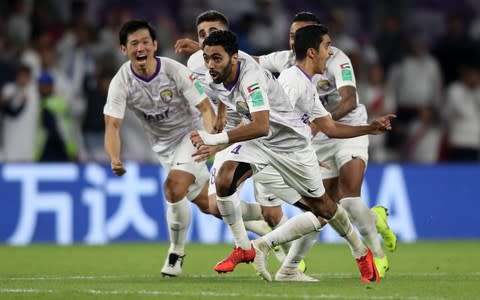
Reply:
x=124, y=49
x=234, y=58
x=155, y=44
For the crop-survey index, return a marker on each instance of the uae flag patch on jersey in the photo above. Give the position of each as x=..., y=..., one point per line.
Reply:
x=256, y=94
x=197, y=84
x=346, y=71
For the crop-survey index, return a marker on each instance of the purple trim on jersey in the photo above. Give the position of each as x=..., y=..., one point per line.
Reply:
x=148, y=79
x=303, y=71
x=229, y=86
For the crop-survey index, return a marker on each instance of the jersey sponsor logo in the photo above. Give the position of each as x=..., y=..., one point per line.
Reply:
x=157, y=116
x=166, y=95
x=345, y=66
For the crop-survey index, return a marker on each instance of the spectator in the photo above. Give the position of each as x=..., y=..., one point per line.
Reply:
x=56, y=133
x=461, y=112
x=416, y=86
x=19, y=103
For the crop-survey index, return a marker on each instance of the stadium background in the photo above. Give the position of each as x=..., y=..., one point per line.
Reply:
x=429, y=193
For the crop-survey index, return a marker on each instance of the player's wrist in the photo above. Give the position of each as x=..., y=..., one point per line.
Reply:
x=214, y=139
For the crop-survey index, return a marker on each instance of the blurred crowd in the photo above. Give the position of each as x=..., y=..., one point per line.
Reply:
x=418, y=59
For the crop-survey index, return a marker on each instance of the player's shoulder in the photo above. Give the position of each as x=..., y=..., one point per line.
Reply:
x=338, y=55
x=196, y=61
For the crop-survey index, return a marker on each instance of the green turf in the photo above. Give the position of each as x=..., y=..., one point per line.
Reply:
x=426, y=270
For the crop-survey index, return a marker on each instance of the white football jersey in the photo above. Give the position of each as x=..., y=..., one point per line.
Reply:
x=256, y=89
x=165, y=102
x=196, y=64
x=302, y=93
x=339, y=73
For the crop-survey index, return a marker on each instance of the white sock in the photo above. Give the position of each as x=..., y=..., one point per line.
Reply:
x=251, y=211
x=285, y=246
x=231, y=212
x=178, y=220
x=343, y=227
x=258, y=227
x=362, y=218
x=299, y=250
x=292, y=229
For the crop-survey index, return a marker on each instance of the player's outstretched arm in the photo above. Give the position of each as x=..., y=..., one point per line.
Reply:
x=335, y=129
x=112, y=144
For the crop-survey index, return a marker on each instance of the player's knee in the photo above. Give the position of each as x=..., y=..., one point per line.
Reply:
x=272, y=217
x=174, y=191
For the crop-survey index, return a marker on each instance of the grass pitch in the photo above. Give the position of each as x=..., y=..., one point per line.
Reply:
x=424, y=270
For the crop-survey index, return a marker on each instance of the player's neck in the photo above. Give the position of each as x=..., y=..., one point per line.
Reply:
x=307, y=67
x=148, y=70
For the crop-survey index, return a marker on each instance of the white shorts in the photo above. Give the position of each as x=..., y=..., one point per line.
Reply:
x=271, y=189
x=337, y=152
x=181, y=159
x=299, y=169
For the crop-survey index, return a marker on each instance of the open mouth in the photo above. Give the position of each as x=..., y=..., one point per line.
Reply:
x=213, y=74
x=142, y=58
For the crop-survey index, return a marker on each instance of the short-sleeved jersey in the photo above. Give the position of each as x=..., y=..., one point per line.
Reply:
x=165, y=102
x=196, y=64
x=339, y=73
x=302, y=93
x=277, y=62
x=256, y=89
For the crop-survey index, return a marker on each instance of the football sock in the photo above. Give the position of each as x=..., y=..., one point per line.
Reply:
x=344, y=228
x=292, y=229
x=178, y=220
x=299, y=249
x=231, y=212
x=251, y=211
x=362, y=218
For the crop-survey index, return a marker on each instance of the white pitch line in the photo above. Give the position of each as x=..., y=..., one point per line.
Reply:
x=208, y=294
x=147, y=276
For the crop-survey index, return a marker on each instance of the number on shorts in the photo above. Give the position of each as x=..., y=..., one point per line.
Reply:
x=213, y=173
x=236, y=150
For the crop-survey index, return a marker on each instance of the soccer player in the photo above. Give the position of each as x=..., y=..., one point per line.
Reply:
x=271, y=210
x=347, y=158
x=273, y=135
x=163, y=94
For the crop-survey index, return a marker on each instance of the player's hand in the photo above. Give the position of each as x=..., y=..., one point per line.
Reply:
x=204, y=152
x=186, y=46
x=382, y=124
x=117, y=168
x=196, y=139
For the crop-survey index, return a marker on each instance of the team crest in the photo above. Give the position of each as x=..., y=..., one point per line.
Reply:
x=166, y=95
x=242, y=108
x=323, y=84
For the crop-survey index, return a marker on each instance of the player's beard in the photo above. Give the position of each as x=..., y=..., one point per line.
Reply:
x=225, y=73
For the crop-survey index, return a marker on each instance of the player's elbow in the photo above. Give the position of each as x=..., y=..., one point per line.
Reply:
x=263, y=129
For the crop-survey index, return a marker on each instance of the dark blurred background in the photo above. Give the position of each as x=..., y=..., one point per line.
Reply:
x=419, y=59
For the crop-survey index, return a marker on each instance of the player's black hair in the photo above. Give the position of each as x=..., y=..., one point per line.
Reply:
x=224, y=38
x=306, y=16
x=132, y=26
x=212, y=16
x=308, y=37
